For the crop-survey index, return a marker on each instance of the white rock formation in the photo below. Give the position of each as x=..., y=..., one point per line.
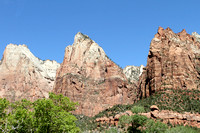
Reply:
x=133, y=73
x=196, y=35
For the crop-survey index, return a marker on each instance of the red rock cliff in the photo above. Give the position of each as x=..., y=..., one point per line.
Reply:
x=89, y=77
x=173, y=62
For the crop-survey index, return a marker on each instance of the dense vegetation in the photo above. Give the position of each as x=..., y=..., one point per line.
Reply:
x=42, y=116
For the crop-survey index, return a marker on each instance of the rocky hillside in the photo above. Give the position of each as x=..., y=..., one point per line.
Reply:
x=173, y=62
x=25, y=76
x=90, y=78
x=133, y=73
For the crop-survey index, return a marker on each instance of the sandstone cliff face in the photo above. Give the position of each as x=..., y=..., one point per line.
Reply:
x=133, y=73
x=173, y=62
x=90, y=78
x=25, y=76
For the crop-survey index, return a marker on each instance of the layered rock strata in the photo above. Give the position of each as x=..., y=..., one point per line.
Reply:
x=89, y=77
x=173, y=62
x=25, y=76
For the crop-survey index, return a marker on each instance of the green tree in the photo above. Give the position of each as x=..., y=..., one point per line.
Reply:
x=43, y=116
x=135, y=121
x=21, y=117
x=53, y=115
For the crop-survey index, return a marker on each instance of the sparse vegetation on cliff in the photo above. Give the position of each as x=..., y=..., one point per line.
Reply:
x=168, y=99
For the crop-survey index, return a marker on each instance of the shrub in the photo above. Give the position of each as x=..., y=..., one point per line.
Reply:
x=112, y=130
x=182, y=129
x=125, y=120
x=138, y=109
x=155, y=127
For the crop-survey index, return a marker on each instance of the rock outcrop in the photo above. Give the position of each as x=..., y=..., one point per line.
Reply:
x=25, y=76
x=89, y=77
x=133, y=73
x=173, y=62
x=166, y=116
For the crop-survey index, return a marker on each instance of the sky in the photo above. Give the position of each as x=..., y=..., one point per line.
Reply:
x=123, y=28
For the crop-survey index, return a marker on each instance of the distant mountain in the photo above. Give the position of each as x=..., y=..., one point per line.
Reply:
x=133, y=73
x=25, y=76
x=90, y=78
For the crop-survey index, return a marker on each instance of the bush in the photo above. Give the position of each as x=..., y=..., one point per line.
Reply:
x=155, y=127
x=182, y=129
x=112, y=130
x=138, y=109
x=125, y=120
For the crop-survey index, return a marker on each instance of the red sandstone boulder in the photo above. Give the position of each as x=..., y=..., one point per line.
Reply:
x=154, y=107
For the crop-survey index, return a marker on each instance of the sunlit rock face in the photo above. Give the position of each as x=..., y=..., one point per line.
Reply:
x=133, y=73
x=89, y=77
x=173, y=62
x=25, y=76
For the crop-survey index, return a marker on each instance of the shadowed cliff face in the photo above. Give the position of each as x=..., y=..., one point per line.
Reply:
x=25, y=76
x=90, y=78
x=173, y=62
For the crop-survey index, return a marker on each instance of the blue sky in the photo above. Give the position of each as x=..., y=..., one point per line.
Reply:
x=123, y=28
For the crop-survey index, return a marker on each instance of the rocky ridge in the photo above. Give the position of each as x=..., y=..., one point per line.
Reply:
x=25, y=76
x=173, y=62
x=89, y=77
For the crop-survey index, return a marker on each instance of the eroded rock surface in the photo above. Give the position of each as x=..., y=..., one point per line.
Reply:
x=173, y=62
x=25, y=76
x=89, y=77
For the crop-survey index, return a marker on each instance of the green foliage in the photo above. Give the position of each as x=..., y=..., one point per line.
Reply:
x=135, y=121
x=155, y=127
x=138, y=120
x=21, y=118
x=42, y=116
x=85, y=123
x=3, y=105
x=112, y=130
x=138, y=109
x=182, y=129
x=125, y=120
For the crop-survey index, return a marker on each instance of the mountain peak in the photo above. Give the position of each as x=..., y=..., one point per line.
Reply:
x=80, y=37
